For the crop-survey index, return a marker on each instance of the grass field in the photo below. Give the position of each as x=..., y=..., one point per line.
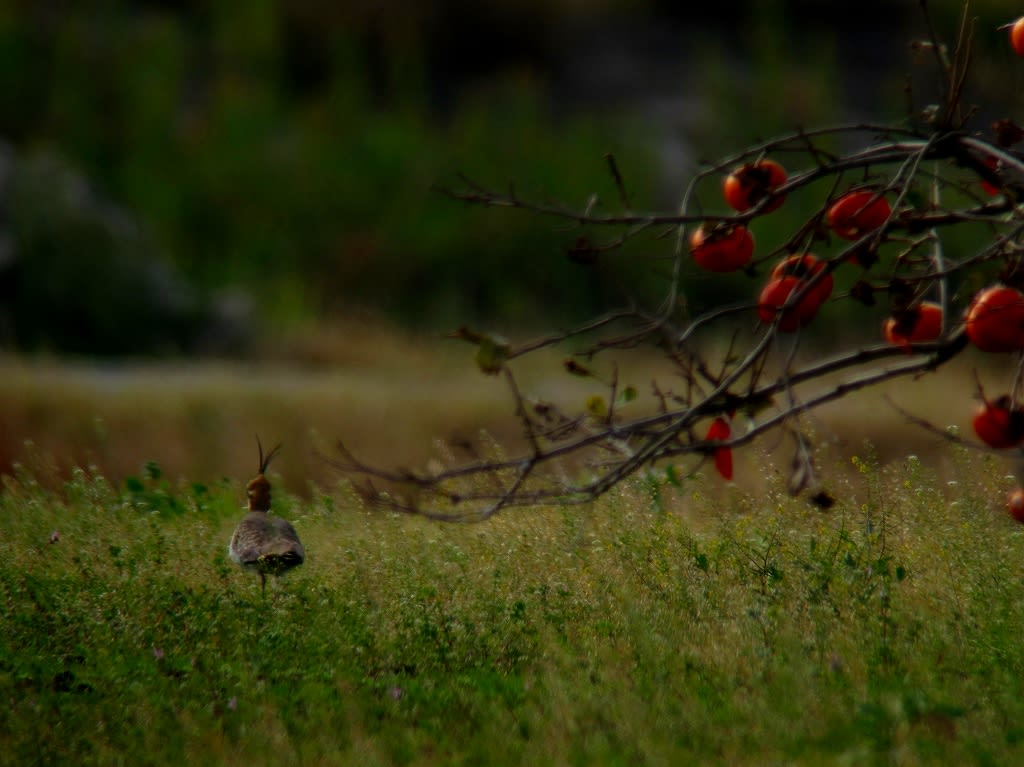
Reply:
x=700, y=624
x=697, y=625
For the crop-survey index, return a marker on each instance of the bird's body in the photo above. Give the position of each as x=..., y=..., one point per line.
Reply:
x=266, y=544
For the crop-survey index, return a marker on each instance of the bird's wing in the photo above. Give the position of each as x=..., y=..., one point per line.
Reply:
x=249, y=539
x=286, y=539
x=259, y=537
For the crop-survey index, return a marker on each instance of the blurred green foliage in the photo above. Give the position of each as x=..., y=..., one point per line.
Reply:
x=82, y=276
x=302, y=175
x=289, y=149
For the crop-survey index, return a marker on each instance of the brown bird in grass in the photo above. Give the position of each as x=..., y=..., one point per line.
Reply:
x=261, y=542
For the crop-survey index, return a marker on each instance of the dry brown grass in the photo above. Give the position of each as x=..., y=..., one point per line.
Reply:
x=389, y=395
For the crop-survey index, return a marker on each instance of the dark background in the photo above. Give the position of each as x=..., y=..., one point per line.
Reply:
x=196, y=177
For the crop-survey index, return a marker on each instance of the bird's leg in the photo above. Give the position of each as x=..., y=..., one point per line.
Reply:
x=263, y=584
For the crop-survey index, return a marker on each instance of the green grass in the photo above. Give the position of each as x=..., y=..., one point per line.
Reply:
x=688, y=626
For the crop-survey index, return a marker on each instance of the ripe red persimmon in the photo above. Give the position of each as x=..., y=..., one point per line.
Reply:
x=999, y=423
x=774, y=297
x=720, y=430
x=746, y=186
x=995, y=319
x=914, y=325
x=990, y=189
x=1017, y=36
x=793, y=275
x=856, y=213
x=1015, y=504
x=722, y=249
x=804, y=266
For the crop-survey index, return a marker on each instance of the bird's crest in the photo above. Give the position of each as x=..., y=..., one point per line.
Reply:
x=266, y=459
x=258, y=489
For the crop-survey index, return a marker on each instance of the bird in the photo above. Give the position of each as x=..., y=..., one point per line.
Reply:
x=261, y=542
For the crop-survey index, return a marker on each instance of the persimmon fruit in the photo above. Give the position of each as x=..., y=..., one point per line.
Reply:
x=1017, y=36
x=720, y=430
x=858, y=212
x=794, y=275
x=722, y=249
x=999, y=423
x=995, y=319
x=748, y=184
x=914, y=325
x=1015, y=504
x=989, y=188
x=774, y=297
x=805, y=266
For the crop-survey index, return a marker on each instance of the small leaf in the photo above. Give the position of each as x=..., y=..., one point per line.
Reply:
x=491, y=354
x=671, y=477
x=628, y=394
x=1007, y=132
x=467, y=334
x=801, y=471
x=596, y=406
x=572, y=366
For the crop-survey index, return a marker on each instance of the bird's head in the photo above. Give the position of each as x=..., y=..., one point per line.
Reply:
x=258, y=489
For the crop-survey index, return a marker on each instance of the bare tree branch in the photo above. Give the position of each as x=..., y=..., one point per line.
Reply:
x=732, y=360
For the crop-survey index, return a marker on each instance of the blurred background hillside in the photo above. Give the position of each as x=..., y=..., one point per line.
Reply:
x=254, y=179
